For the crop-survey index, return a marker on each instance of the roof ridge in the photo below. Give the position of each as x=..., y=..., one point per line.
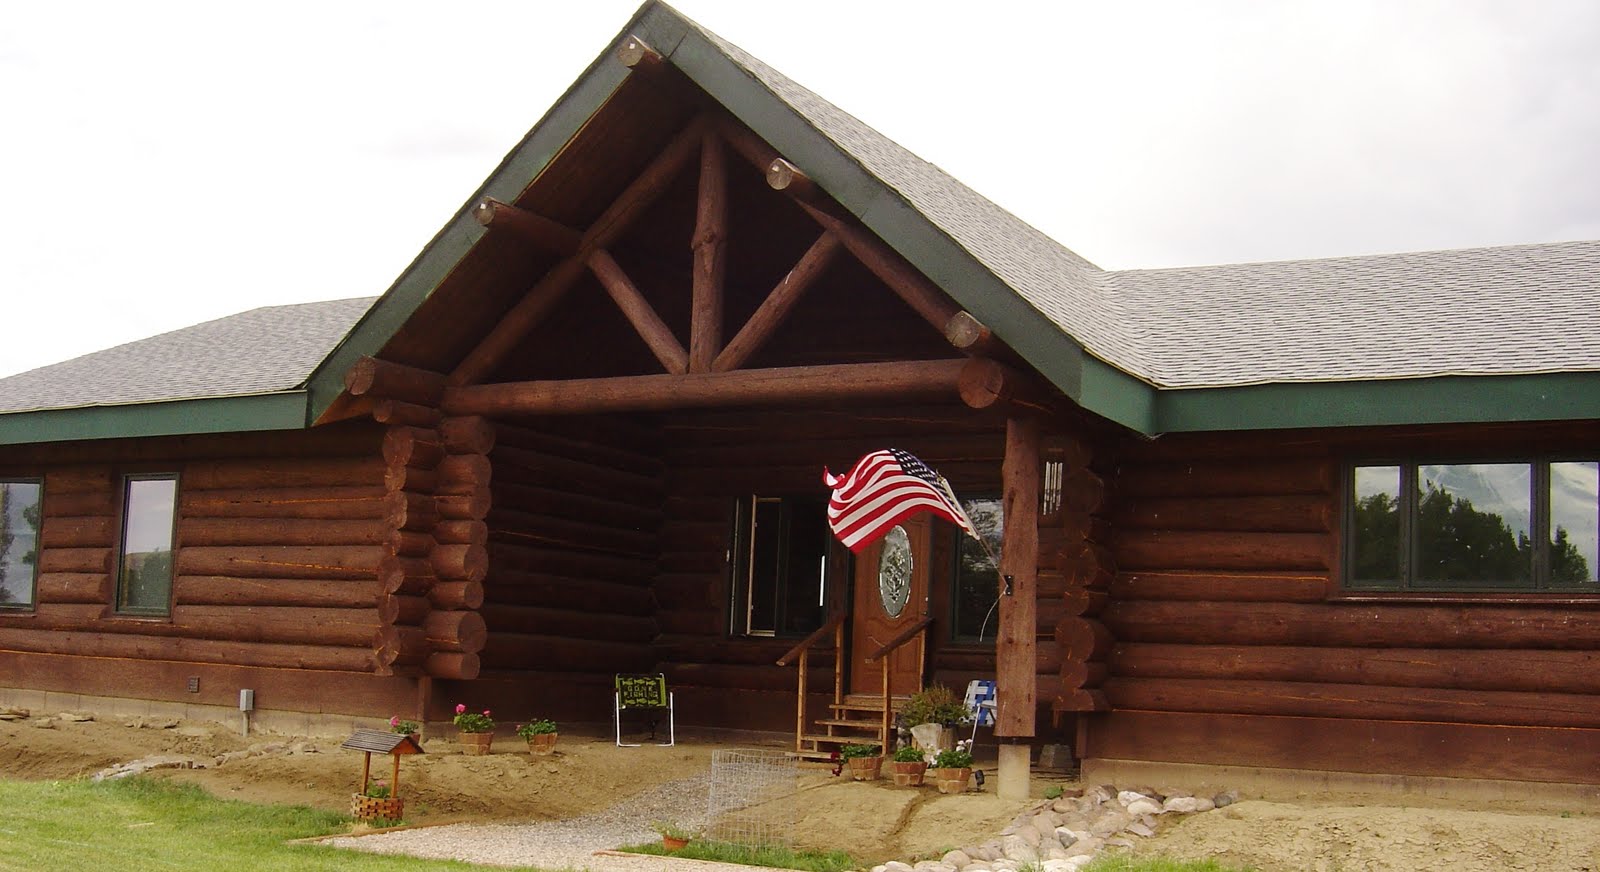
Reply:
x=1374, y=256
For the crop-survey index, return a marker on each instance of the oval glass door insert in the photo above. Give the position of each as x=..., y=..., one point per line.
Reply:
x=894, y=572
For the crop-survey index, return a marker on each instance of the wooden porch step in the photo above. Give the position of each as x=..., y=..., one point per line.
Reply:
x=838, y=740
x=874, y=725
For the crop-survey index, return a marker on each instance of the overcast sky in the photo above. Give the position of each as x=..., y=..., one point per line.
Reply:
x=163, y=164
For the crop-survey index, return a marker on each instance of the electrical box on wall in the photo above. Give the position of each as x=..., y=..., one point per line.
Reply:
x=247, y=700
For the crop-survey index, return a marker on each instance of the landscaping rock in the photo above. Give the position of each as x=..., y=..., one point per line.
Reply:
x=1181, y=804
x=934, y=866
x=1087, y=847
x=1139, y=829
x=1129, y=797
x=1225, y=799
x=13, y=714
x=896, y=866
x=1026, y=834
x=1202, y=803
x=1142, y=806
x=957, y=859
x=1021, y=852
x=1110, y=822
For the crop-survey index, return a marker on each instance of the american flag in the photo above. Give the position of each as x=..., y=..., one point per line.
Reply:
x=883, y=489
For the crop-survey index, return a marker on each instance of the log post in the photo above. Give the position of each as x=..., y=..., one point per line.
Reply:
x=709, y=247
x=1015, y=659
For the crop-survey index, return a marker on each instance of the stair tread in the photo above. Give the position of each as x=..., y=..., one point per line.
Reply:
x=874, y=724
x=838, y=740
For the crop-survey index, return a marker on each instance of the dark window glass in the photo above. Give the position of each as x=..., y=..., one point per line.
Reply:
x=780, y=572
x=977, y=584
x=1375, y=526
x=1574, y=523
x=144, y=581
x=19, y=541
x=1473, y=525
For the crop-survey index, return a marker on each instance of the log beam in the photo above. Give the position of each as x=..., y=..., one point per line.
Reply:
x=383, y=379
x=899, y=276
x=636, y=54
x=639, y=312
x=545, y=234
x=776, y=307
x=709, y=246
x=986, y=384
x=924, y=379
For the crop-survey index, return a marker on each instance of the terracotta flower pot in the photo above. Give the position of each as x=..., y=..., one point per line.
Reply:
x=366, y=808
x=542, y=744
x=865, y=768
x=909, y=774
x=673, y=843
x=475, y=744
x=952, y=780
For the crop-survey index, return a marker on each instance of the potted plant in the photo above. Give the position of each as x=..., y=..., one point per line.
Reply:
x=376, y=804
x=476, y=731
x=541, y=736
x=932, y=715
x=909, y=766
x=865, y=761
x=952, y=769
x=404, y=728
x=673, y=836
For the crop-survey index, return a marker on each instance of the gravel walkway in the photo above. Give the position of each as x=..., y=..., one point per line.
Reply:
x=562, y=844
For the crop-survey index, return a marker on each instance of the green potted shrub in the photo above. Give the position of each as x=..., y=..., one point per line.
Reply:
x=910, y=766
x=404, y=728
x=933, y=715
x=865, y=761
x=541, y=736
x=476, y=732
x=952, y=769
x=673, y=836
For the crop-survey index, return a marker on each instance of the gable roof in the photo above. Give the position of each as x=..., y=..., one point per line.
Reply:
x=1407, y=338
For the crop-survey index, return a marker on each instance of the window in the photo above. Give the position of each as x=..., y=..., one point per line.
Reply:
x=144, y=564
x=1474, y=526
x=780, y=554
x=976, y=588
x=19, y=541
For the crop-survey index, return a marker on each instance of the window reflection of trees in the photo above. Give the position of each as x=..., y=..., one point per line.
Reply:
x=976, y=583
x=1472, y=526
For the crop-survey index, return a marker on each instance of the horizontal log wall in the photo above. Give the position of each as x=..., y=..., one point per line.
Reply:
x=1227, y=609
x=278, y=543
x=572, y=536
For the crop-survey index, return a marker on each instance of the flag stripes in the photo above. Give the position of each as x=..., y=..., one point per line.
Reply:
x=883, y=489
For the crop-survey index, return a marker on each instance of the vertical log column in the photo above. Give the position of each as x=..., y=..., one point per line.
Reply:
x=437, y=483
x=1015, y=661
x=1087, y=566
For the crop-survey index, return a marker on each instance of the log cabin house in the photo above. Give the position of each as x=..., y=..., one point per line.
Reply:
x=1330, y=516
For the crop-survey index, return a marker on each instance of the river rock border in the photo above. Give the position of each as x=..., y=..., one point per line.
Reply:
x=1069, y=832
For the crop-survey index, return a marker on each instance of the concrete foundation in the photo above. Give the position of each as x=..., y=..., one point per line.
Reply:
x=1013, y=781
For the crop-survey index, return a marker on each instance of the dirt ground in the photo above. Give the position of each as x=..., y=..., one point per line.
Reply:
x=872, y=821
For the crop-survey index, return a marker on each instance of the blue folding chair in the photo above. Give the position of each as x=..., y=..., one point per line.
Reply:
x=980, y=704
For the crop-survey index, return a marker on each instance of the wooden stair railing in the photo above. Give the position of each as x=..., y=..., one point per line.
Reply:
x=912, y=632
x=834, y=625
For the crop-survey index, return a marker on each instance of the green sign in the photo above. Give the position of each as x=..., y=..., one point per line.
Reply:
x=642, y=691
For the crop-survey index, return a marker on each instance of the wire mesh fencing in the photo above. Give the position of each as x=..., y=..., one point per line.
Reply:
x=753, y=797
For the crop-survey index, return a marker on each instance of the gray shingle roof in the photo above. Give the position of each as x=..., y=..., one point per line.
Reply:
x=269, y=349
x=1481, y=311
x=1487, y=311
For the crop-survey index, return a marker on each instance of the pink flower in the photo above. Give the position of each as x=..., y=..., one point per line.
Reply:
x=460, y=708
x=485, y=712
x=394, y=721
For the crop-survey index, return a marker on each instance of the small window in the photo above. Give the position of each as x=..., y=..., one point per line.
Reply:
x=780, y=555
x=144, y=577
x=1497, y=526
x=19, y=541
x=976, y=589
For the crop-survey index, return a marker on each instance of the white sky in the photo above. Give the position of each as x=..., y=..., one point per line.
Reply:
x=167, y=163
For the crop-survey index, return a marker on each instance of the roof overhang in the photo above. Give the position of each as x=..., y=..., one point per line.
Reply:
x=280, y=410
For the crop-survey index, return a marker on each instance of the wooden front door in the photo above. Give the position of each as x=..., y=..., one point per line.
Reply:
x=891, y=594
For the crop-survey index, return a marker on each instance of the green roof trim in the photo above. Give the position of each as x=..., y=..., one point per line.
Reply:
x=282, y=410
x=1450, y=400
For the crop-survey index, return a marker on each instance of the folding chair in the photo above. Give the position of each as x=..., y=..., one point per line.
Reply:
x=980, y=704
x=644, y=692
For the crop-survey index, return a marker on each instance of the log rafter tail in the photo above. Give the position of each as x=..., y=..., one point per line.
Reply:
x=637, y=55
x=544, y=233
x=530, y=310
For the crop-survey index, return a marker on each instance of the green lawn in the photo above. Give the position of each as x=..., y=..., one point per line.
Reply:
x=782, y=858
x=137, y=824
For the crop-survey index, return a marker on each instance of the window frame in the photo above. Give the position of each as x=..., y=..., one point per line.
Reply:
x=958, y=541
x=118, y=604
x=740, y=553
x=1539, y=522
x=32, y=603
